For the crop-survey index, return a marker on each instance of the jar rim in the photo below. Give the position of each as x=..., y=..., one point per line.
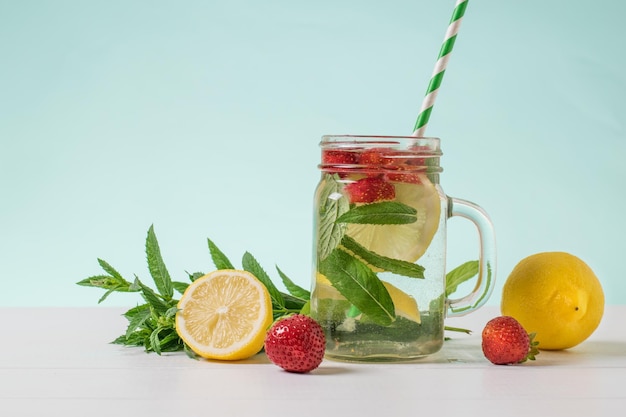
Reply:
x=430, y=145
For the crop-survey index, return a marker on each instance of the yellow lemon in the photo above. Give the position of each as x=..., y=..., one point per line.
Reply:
x=225, y=315
x=406, y=242
x=557, y=296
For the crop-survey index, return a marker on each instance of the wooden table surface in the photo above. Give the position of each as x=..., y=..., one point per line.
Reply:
x=59, y=362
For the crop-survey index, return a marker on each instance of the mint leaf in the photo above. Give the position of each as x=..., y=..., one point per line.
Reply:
x=106, y=294
x=106, y=282
x=136, y=318
x=293, y=303
x=360, y=285
x=395, y=266
x=293, y=289
x=157, y=267
x=195, y=276
x=171, y=342
x=152, y=298
x=219, y=259
x=251, y=265
x=482, y=297
x=459, y=275
x=180, y=286
x=155, y=344
x=332, y=206
x=385, y=212
x=112, y=271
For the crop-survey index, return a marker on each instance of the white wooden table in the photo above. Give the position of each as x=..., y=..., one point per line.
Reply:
x=58, y=362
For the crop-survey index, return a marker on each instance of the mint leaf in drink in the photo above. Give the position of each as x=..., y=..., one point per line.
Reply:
x=395, y=266
x=459, y=275
x=360, y=285
x=219, y=259
x=156, y=266
x=332, y=206
x=385, y=212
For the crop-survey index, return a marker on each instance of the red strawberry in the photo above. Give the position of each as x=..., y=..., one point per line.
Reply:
x=296, y=343
x=369, y=190
x=506, y=342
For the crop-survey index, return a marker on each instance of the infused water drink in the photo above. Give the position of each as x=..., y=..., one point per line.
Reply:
x=380, y=248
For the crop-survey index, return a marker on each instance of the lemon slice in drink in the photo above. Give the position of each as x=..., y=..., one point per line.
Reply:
x=225, y=315
x=404, y=304
x=405, y=242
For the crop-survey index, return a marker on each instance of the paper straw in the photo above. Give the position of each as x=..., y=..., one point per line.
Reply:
x=440, y=68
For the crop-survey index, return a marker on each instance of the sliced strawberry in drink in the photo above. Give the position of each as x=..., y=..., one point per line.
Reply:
x=372, y=157
x=335, y=157
x=339, y=162
x=370, y=190
x=406, y=177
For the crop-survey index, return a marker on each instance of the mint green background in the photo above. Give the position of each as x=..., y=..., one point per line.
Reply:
x=204, y=117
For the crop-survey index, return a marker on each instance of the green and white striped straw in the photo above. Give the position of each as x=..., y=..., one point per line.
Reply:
x=440, y=68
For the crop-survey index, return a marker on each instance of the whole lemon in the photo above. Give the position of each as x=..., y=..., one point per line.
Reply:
x=555, y=295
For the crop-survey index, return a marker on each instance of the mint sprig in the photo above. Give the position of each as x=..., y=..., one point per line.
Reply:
x=152, y=324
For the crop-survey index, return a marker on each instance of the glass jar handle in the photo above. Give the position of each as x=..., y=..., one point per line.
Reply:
x=487, y=260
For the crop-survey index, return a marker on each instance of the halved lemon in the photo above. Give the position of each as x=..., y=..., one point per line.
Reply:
x=405, y=242
x=225, y=315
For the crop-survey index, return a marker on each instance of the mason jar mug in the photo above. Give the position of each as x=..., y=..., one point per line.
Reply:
x=379, y=252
